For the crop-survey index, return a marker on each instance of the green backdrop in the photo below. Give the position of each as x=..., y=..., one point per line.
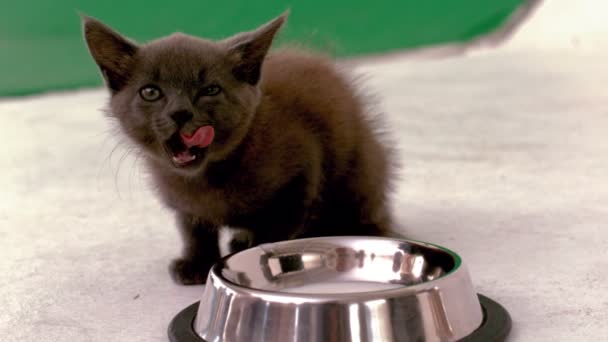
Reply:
x=41, y=46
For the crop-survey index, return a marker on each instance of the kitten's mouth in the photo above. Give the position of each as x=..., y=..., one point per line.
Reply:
x=187, y=150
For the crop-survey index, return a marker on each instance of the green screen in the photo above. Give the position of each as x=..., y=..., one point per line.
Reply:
x=41, y=46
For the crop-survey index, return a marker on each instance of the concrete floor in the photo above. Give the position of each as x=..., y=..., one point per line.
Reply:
x=505, y=156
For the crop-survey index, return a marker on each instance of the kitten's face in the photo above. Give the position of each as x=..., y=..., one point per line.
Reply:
x=184, y=101
x=179, y=85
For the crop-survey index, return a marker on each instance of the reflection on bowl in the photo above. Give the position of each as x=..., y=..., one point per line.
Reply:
x=339, y=289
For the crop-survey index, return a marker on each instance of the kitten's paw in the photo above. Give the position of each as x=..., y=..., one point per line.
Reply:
x=189, y=272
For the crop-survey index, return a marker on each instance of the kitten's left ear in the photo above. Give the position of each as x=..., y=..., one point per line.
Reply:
x=249, y=49
x=114, y=54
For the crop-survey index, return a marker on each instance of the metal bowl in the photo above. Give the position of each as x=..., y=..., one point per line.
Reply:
x=341, y=289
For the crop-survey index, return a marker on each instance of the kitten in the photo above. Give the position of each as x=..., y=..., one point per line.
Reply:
x=276, y=144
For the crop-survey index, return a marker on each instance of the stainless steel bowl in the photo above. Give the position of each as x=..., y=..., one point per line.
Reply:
x=339, y=289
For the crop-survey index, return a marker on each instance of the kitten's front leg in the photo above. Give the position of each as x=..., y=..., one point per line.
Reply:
x=201, y=251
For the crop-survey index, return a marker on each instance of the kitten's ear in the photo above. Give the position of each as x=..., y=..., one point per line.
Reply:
x=114, y=54
x=249, y=49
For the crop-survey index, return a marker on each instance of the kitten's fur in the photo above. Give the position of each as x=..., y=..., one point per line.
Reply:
x=293, y=156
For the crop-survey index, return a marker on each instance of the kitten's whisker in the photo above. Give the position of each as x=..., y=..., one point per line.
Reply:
x=108, y=159
x=118, y=166
x=115, y=172
x=134, y=165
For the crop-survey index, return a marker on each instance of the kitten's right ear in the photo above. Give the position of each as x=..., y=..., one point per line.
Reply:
x=114, y=54
x=249, y=49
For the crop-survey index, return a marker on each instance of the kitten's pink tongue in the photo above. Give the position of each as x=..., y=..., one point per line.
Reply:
x=202, y=137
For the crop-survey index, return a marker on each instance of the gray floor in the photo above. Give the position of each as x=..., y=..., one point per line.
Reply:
x=505, y=160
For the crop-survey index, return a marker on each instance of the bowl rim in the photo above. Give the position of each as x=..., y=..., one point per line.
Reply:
x=215, y=275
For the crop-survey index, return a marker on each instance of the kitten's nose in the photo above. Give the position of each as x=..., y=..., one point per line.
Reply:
x=182, y=117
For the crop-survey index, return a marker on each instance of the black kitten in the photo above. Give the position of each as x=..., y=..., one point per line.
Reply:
x=277, y=145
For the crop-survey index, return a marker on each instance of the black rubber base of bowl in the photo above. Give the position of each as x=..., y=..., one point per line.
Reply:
x=496, y=323
x=495, y=326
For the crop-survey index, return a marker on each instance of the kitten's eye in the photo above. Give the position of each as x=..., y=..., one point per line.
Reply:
x=150, y=93
x=211, y=90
